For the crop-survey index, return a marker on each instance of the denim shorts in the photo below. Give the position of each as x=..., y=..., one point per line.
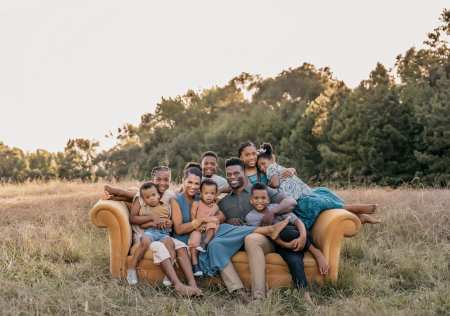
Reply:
x=156, y=234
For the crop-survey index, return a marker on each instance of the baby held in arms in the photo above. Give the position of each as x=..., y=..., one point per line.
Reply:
x=200, y=209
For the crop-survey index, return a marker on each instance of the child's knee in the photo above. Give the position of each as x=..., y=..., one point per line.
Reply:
x=168, y=242
x=288, y=234
x=145, y=243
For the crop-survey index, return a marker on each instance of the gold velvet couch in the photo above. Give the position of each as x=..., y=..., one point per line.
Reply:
x=327, y=232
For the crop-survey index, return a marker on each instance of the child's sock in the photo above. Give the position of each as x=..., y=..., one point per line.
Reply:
x=337, y=205
x=132, y=277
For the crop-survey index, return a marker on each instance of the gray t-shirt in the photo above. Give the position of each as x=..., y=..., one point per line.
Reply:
x=254, y=217
x=238, y=205
x=222, y=183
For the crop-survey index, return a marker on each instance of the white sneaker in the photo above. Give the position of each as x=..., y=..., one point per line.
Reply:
x=166, y=281
x=132, y=277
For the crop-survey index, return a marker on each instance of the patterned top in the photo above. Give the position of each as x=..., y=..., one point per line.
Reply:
x=293, y=186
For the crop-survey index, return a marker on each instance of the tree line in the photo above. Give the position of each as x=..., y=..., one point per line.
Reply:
x=382, y=132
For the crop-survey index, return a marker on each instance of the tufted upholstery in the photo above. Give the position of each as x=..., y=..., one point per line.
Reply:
x=327, y=232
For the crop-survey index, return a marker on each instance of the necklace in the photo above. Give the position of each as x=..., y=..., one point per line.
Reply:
x=212, y=204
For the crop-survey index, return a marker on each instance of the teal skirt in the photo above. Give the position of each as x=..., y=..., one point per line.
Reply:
x=222, y=247
x=310, y=206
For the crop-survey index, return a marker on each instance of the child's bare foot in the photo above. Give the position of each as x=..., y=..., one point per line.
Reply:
x=105, y=195
x=308, y=299
x=185, y=290
x=277, y=228
x=367, y=219
x=361, y=208
x=290, y=244
x=320, y=258
x=111, y=190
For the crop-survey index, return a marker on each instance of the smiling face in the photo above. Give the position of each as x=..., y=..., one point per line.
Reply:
x=264, y=163
x=248, y=156
x=259, y=200
x=208, y=193
x=209, y=166
x=191, y=184
x=162, y=180
x=150, y=196
x=235, y=176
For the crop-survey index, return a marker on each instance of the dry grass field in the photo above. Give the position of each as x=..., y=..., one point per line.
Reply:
x=54, y=261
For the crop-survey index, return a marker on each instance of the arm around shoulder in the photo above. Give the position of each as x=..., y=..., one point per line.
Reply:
x=274, y=181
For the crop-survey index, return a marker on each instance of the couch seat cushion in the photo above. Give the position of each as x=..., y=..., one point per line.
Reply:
x=241, y=257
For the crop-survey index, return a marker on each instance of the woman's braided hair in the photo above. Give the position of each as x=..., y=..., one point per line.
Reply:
x=160, y=168
x=242, y=146
x=239, y=152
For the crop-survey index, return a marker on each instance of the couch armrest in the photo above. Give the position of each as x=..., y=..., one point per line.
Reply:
x=327, y=233
x=114, y=215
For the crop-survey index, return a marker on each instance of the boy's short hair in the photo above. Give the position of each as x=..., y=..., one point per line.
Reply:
x=259, y=186
x=210, y=154
x=147, y=185
x=209, y=182
x=234, y=161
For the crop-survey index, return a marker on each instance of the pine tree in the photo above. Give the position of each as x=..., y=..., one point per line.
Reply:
x=371, y=132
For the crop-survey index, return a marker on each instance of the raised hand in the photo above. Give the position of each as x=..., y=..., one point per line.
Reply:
x=288, y=173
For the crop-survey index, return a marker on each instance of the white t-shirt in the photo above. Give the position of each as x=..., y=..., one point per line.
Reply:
x=137, y=231
x=221, y=182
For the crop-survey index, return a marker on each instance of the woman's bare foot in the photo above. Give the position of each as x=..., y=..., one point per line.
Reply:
x=111, y=190
x=361, y=208
x=320, y=258
x=277, y=228
x=105, y=195
x=185, y=290
x=367, y=219
x=308, y=299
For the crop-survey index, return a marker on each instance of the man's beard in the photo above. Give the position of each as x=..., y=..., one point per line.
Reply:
x=238, y=185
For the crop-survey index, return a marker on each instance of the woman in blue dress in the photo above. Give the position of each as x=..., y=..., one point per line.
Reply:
x=228, y=238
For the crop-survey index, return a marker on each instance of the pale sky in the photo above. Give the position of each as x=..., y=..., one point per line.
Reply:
x=79, y=69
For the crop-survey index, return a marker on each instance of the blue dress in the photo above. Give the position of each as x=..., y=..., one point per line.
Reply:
x=184, y=205
x=221, y=248
x=310, y=206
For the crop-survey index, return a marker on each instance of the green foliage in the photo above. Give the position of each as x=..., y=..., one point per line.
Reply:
x=381, y=131
x=371, y=132
x=425, y=75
